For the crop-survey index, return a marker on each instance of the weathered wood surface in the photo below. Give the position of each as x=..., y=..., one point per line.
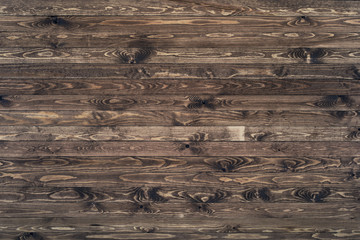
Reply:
x=179, y=56
x=178, y=133
x=179, y=119
x=182, y=8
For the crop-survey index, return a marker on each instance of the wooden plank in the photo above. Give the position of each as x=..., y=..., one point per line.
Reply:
x=133, y=133
x=167, y=210
x=294, y=38
x=178, y=133
x=196, y=117
x=161, y=25
x=271, y=86
x=222, y=164
x=176, y=102
x=236, y=196
x=182, y=8
x=203, y=72
x=195, y=223
x=111, y=148
x=179, y=55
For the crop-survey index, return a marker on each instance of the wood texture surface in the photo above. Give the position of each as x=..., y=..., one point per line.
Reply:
x=179, y=119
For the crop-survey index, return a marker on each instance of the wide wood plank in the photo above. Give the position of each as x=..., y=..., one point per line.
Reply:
x=178, y=133
x=182, y=8
x=293, y=38
x=268, y=72
x=176, y=102
x=110, y=148
x=271, y=86
x=180, y=55
x=146, y=25
x=180, y=118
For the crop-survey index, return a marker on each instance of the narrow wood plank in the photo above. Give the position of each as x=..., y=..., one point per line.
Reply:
x=178, y=133
x=194, y=224
x=143, y=234
x=203, y=72
x=178, y=102
x=315, y=38
x=180, y=118
x=221, y=164
x=180, y=55
x=183, y=8
x=167, y=210
x=334, y=87
x=111, y=148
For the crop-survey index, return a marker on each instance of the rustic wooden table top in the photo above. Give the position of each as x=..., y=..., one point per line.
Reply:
x=179, y=119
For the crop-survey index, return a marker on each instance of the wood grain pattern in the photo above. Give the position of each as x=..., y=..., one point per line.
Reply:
x=176, y=55
x=220, y=71
x=183, y=8
x=178, y=133
x=176, y=102
x=179, y=119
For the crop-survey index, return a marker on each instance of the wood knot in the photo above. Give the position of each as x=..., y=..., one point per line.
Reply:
x=353, y=175
x=229, y=229
x=302, y=21
x=292, y=164
x=30, y=236
x=198, y=102
x=230, y=164
x=354, y=134
x=56, y=21
x=146, y=194
x=146, y=229
x=334, y=100
x=259, y=136
x=281, y=71
x=5, y=102
x=139, y=56
x=202, y=201
x=257, y=193
x=311, y=196
x=308, y=55
x=339, y=114
x=195, y=147
x=94, y=207
x=354, y=72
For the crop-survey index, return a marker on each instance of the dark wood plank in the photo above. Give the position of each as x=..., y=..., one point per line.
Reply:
x=178, y=133
x=315, y=38
x=180, y=118
x=111, y=148
x=183, y=8
x=219, y=71
x=176, y=102
x=271, y=86
x=161, y=25
x=222, y=164
x=180, y=55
